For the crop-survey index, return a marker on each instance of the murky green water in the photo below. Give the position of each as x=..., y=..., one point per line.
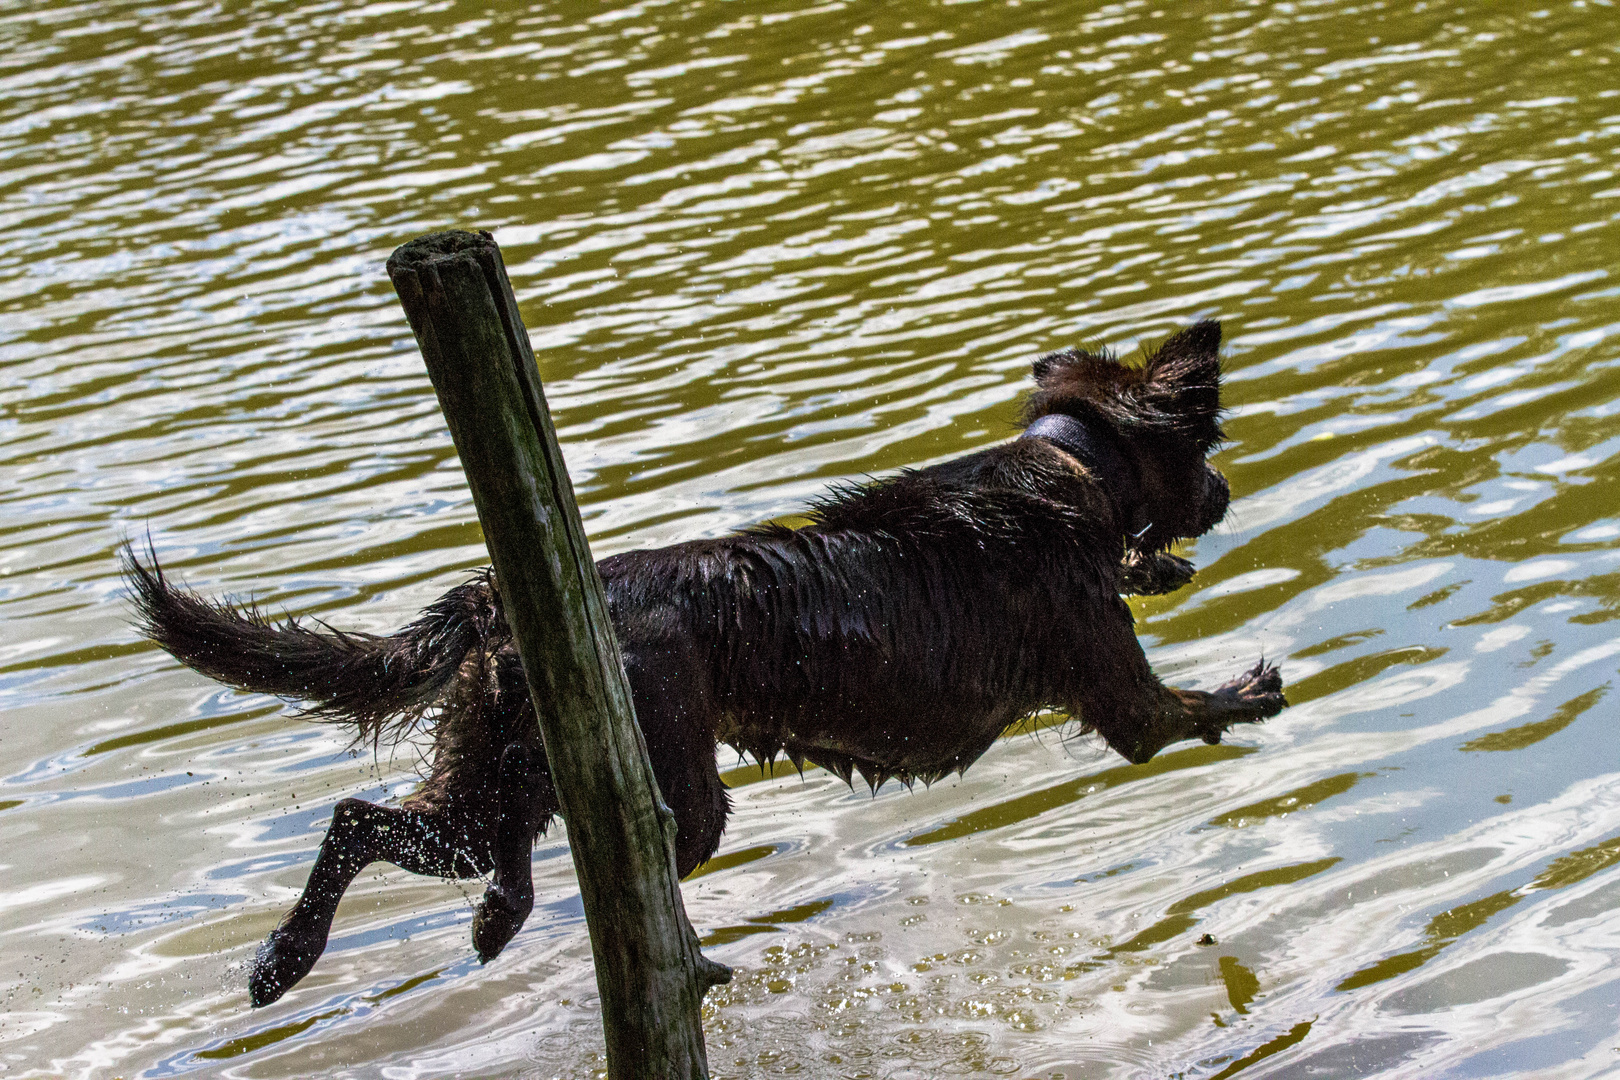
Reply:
x=766, y=244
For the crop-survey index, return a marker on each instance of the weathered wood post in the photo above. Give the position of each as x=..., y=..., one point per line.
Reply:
x=649, y=970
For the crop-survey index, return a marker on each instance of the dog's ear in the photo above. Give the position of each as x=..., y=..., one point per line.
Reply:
x=1183, y=380
x=1177, y=389
x=1071, y=378
x=1077, y=368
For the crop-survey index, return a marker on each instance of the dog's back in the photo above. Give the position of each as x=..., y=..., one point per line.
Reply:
x=896, y=635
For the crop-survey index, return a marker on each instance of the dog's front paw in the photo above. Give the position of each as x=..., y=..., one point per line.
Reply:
x=1259, y=688
x=1253, y=696
x=1258, y=681
x=285, y=957
x=498, y=919
x=1153, y=575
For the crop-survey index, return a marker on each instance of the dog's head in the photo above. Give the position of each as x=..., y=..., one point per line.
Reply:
x=1163, y=416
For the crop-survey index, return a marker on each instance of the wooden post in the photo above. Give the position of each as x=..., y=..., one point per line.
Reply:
x=649, y=970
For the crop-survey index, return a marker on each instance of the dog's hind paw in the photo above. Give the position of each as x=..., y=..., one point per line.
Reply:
x=281, y=961
x=497, y=920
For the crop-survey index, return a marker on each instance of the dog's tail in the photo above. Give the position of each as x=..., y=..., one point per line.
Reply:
x=380, y=685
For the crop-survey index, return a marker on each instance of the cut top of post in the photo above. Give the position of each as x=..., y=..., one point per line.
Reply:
x=424, y=251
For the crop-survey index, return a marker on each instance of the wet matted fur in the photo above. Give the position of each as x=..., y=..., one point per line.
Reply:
x=896, y=635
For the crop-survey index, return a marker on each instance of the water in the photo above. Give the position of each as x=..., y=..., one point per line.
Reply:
x=766, y=246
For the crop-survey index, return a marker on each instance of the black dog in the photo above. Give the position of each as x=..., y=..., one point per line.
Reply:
x=897, y=635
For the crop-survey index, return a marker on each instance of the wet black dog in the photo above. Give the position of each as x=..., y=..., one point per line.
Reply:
x=897, y=635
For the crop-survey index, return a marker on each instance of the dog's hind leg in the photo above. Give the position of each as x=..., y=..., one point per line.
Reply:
x=526, y=800
x=698, y=799
x=674, y=713
x=445, y=845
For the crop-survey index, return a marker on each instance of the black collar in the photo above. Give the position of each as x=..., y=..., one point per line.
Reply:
x=1094, y=450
